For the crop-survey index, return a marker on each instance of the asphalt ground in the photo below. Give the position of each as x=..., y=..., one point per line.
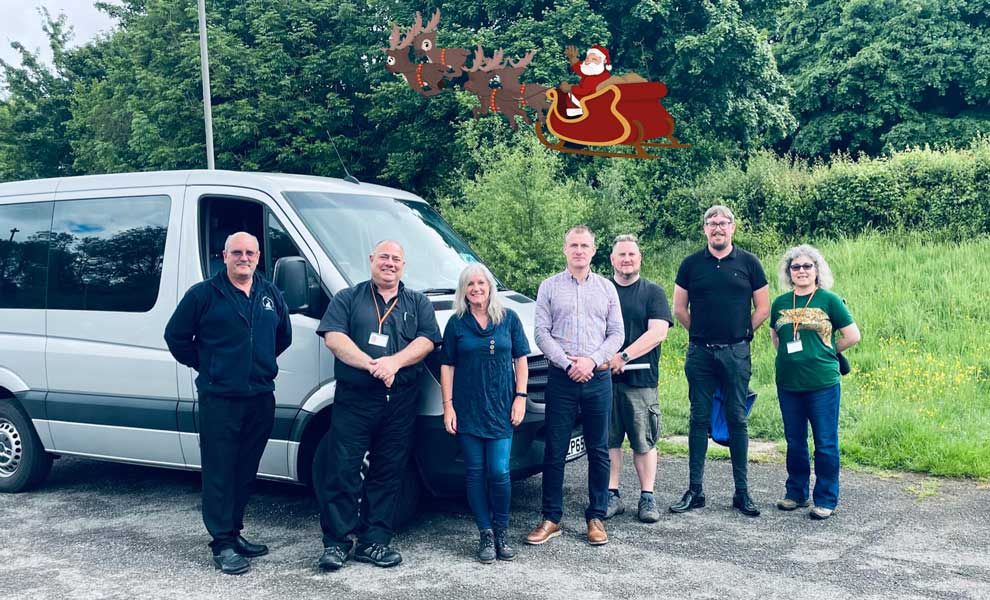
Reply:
x=100, y=530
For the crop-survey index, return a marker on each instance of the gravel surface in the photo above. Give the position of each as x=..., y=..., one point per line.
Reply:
x=99, y=530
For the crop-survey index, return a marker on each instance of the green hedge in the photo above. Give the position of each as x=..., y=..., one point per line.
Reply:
x=918, y=189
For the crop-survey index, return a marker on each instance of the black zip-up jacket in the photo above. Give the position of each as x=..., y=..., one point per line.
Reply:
x=231, y=342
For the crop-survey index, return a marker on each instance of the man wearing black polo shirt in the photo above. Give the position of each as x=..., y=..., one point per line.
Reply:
x=379, y=331
x=715, y=293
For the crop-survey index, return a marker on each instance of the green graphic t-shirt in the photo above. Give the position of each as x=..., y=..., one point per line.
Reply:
x=815, y=366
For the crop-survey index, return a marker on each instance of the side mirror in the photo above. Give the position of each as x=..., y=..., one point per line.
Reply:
x=290, y=277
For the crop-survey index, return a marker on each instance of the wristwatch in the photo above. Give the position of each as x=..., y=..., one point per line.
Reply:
x=624, y=357
x=522, y=394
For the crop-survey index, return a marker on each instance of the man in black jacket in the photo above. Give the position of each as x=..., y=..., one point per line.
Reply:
x=231, y=328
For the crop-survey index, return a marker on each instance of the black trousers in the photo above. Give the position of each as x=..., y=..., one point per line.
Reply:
x=233, y=432
x=365, y=421
x=727, y=367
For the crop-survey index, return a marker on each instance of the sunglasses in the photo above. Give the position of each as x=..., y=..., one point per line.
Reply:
x=804, y=266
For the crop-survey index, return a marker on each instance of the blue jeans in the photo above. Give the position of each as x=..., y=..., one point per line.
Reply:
x=564, y=399
x=486, y=469
x=821, y=409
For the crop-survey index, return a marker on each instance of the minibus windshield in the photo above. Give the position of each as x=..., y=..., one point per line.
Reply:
x=348, y=226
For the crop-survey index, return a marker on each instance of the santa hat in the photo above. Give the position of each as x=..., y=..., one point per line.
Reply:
x=601, y=51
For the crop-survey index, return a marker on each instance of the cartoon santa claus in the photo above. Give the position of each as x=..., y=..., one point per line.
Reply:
x=595, y=69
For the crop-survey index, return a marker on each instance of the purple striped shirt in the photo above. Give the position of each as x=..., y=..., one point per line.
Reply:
x=578, y=319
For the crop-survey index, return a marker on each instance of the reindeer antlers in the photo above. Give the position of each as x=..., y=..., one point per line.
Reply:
x=496, y=62
x=432, y=25
x=523, y=62
x=407, y=39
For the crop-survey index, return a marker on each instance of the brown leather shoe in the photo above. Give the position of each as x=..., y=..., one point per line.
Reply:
x=542, y=534
x=596, y=533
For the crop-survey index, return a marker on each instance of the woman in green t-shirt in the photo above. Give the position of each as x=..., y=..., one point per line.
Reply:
x=803, y=326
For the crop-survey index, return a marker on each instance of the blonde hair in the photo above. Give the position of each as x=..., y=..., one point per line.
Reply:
x=496, y=312
x=823, y=273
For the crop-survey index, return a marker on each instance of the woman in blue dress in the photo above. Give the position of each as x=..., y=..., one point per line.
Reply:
x=483, y=378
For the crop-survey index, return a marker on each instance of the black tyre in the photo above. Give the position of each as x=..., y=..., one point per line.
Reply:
x=23, y=460
x=409, y=488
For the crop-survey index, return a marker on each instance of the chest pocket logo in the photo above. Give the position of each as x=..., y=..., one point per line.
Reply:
x=267, y=304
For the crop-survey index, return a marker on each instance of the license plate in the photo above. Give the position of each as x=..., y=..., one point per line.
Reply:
x=576, y=448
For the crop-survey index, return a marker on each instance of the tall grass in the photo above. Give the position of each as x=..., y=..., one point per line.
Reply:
x=918, y=398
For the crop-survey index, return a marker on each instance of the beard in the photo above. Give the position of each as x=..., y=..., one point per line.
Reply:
x=592, y=69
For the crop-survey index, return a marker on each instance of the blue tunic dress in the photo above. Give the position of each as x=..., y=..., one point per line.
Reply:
x=484, y=382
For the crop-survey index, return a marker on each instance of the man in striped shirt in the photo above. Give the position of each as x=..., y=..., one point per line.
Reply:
x=578, y=328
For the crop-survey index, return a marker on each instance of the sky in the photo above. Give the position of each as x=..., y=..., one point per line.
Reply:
x=21, y=22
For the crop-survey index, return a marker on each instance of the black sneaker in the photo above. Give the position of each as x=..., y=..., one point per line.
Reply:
x=502, y=548
x=744, y=504
x=230, y=562
x=486, y=546
x=333, y=558
x=378, y=555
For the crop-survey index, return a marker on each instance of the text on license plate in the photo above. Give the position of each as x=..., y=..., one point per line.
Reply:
x=575, y=449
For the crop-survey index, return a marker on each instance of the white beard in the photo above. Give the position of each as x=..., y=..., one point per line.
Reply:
x=592, y=69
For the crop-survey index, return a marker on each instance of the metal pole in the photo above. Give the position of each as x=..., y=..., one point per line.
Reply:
x=204, y=63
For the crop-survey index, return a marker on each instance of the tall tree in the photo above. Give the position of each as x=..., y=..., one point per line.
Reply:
x=879, y=75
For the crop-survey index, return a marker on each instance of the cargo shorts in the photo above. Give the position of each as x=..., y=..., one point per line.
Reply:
x=636, y=413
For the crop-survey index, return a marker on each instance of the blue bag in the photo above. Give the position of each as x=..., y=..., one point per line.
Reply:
x=719, y=430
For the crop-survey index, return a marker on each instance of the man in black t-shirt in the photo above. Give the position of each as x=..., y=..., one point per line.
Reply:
x=715, y=294
x=379, y=331
x=635, y=373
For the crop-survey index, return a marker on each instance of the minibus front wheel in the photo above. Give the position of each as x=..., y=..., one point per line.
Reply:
x=23, y=460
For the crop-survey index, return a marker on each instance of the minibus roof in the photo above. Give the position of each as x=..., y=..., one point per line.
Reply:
x=271, y=183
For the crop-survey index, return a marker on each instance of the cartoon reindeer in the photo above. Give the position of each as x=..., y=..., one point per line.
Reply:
x=425, y=46
x=426, y=79
x=493, y=99
x=527, y=94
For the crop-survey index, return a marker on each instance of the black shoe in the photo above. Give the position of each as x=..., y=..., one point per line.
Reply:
x=689, y=501
x=378, y=555
x=333, y=558
x=486, y=546
x=502, y=548
x=230, y=562
x=249, y=550
x=744, y=504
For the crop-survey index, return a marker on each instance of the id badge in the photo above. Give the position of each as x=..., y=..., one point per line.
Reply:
x=794, y=346
x=378, y=339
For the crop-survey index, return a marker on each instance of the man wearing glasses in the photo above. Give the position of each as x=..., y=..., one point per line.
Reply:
x=379, y=332
x=721, y=297
x=230, y=328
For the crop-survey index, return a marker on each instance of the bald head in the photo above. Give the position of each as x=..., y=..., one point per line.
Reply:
x=388, y=261
x=241, y=255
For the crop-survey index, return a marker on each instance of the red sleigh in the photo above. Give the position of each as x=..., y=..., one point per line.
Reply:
x=624, y=114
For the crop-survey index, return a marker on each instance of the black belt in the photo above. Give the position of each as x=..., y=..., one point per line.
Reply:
x=712, y=346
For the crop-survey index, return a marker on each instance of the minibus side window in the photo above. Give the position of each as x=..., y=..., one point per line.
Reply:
x=106, y=254
x=24, y=231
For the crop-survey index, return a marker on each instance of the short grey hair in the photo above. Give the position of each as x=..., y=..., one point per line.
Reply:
x=625, y=237
x=580, y=229
x=496, y=312
x=719, y=210
x=387, y=241
x=230, y=238
x=823, y=273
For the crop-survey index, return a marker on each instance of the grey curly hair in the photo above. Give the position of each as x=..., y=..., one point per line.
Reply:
x=823, y=272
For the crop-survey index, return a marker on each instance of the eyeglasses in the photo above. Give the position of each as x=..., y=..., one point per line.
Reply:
x=719, y=224
x=802, y=266
x=243, y=253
